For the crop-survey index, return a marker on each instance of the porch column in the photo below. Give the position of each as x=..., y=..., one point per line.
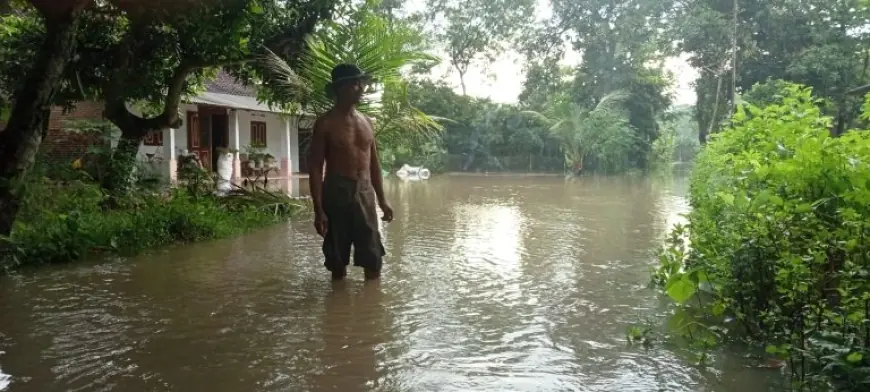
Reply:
x=235, y=144
x=170, y=155
x=285, y=150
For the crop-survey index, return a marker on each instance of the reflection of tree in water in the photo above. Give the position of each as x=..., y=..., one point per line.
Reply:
x=354, y=326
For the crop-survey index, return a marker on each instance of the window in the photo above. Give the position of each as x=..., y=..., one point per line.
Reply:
x=153, y=138
x=258, y=134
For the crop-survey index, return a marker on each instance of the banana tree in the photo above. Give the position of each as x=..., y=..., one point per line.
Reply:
x=381, y=47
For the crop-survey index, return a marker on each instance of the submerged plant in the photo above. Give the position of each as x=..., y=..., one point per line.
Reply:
x=778, y=233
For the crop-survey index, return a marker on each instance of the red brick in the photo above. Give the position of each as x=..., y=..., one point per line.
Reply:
x=60, y=145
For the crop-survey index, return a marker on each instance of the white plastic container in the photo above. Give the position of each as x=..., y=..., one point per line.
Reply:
x=225, y=172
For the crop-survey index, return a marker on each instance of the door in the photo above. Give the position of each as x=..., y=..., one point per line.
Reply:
x=304, y=144
x=220, y=134
x=199, y=139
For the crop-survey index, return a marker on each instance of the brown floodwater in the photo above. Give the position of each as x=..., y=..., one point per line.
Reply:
x=491, y=284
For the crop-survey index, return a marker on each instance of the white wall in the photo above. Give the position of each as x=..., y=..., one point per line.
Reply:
x=162, y=153
x=275, y=127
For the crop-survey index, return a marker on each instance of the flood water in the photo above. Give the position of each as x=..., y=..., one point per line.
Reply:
x=491, y=284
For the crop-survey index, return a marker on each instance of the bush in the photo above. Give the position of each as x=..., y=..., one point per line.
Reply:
x=779, y=240
x=67, y=220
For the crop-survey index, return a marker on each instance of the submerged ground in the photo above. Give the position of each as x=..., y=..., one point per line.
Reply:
x=491, y=284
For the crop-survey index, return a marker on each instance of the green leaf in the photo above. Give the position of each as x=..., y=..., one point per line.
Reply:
x=854, y=357
x=803, y=208
x=681, y=290
x=727, y=198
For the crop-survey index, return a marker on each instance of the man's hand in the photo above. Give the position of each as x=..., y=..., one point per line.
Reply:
x=320, y=223
x=387, y=210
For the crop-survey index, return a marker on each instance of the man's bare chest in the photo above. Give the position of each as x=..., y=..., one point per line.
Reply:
x=351, y=137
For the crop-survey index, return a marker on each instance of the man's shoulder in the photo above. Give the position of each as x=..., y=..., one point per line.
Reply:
x=364, y=116
x=321, y=122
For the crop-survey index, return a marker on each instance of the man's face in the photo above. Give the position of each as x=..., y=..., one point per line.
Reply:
x=353, y=91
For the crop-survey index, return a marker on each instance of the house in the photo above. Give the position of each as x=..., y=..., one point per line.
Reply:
x=226, y=116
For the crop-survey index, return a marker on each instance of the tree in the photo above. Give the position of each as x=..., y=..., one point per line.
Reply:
x=604, y=132
x=622, y=48
x=382, y=48
x=823, y=44
x=151, y=57
x=130, y=52
x=28, y=117
x=476, y=30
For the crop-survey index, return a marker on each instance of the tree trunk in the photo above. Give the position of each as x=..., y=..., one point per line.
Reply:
x=462, y=80
x=28, y=120
x=118, y=180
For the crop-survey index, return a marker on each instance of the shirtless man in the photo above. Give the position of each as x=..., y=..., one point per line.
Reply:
x=345, y=198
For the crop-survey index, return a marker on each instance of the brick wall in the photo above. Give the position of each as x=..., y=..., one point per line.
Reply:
x=63, y=146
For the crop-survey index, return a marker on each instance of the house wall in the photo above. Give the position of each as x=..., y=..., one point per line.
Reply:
x=164, y=161
x=276, y=126
x=61, y=145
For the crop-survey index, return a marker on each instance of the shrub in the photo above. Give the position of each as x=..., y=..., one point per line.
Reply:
x=64, y=218
x=779, y=240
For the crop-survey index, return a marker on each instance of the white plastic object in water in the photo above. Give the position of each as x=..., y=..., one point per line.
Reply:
x=413, y=173
x=424, y=173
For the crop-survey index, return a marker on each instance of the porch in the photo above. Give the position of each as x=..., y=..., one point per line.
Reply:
x=214, y=123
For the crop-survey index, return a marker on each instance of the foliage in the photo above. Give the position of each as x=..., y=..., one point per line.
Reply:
x=778, y=236
x=481, y=135
x=604, y=133
x=164, y=44
x=474, y=31
x=63, y=218
x=818, y=43
x=679, y=140
x=380, y=48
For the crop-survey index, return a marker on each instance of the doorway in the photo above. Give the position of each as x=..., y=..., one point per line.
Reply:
x=199, y=138
x=304, y=144
x=220, y=135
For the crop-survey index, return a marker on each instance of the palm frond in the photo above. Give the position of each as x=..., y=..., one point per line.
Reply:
x=613, y=101
x=368, y=41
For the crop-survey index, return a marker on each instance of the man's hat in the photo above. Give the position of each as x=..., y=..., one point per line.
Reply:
x=344, y=73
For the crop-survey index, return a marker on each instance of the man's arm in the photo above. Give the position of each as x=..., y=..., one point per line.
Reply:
x=316, y=157
x=375, y=167
x=376, y=174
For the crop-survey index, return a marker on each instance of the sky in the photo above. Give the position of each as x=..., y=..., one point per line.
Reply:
x=502, y=80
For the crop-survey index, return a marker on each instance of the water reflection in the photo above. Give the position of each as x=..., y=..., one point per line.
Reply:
x=353, y=330
x=490, y=284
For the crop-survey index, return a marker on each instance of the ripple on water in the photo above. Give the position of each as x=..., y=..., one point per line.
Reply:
x=489, y=285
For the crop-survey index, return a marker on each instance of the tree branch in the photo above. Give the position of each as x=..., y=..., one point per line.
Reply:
x=54, y=10
x=859, y=90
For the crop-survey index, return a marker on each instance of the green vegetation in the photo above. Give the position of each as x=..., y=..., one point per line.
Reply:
x=365, y=36
x=779, y=241
x=68, y=215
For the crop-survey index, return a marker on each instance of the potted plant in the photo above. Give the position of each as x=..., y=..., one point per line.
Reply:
x=256, y=157
x=269, y=161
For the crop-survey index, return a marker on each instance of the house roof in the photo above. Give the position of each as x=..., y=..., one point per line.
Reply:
x=225, y=83
x=226, y=91
x=231, y=101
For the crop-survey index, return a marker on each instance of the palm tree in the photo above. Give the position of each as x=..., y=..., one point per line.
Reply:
x=381, y=47
x=603, y=131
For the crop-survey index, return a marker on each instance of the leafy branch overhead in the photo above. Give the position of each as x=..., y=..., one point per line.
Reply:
x=133, y=51
x=379, y=47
